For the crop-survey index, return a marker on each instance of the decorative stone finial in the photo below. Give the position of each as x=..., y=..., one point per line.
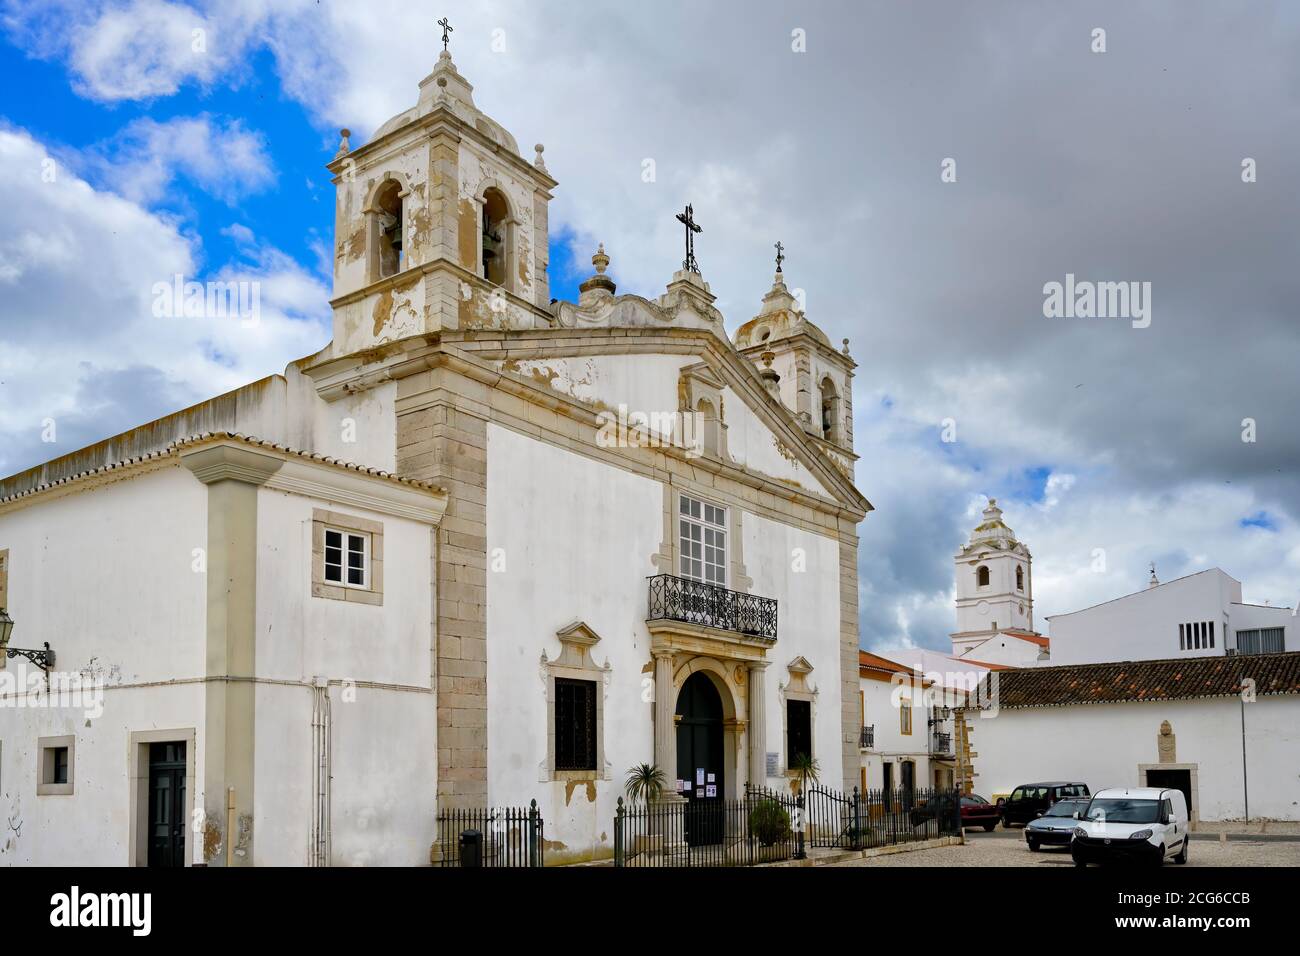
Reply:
x=771, y=379
x=537, y=160
x=845, y=350
x=600, y=284
x=345, y=146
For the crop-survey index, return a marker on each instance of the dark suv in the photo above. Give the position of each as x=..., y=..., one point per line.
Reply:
x=1029, y=800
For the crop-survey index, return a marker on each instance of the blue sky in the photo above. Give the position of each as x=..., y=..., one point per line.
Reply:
x=1091, y=435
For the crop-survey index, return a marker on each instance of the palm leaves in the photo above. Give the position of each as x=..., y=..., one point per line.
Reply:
x=806, y=768
x=644, y=783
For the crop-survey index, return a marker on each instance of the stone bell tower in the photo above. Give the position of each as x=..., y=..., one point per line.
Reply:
x=995, y=589
x=439, y=223
x=809, y=375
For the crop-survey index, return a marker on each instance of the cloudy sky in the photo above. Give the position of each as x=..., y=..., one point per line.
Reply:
x=144, y=138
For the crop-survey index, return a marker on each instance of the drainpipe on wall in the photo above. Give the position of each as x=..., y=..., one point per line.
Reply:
x=321, y=773
x=230, y=826
x=1245, y=785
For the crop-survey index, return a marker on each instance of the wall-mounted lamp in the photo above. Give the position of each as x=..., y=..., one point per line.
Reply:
x=44, y=659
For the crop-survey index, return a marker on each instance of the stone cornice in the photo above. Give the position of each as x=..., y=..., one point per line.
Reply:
x=230, y=462
x=464, y=352
x=357, y=491
x=413, y=274
x=529, y=391
x=803, y=339
x=439, y=121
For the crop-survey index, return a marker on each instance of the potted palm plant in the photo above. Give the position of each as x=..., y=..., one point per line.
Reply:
x=644, y=784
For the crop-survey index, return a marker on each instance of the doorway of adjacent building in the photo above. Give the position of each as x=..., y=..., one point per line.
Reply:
x=167, y=806
x=700, y=759
x=1173, y=780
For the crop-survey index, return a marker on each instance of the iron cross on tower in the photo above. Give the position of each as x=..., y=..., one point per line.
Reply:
x=780, y=258
x=687, y=219
x=447, y=31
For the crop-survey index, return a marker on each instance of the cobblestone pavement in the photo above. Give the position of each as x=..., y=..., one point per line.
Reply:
x=1001, y=850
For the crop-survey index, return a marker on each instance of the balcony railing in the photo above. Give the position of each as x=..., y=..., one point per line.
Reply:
x=941, y=744
x=867, y=739
x=708, y=605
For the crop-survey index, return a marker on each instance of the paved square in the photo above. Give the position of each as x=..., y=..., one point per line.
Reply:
x=1008, y=849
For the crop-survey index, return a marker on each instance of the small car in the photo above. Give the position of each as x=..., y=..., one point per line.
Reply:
x=1028, y=800
x=1056, y=826
x=1145, y=824
x=978, y=812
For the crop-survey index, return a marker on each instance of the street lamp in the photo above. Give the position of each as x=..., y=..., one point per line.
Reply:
x=44, y=659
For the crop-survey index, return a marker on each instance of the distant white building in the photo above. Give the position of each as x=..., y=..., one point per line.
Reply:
x=1200, y=615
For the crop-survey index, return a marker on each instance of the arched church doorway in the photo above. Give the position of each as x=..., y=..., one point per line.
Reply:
x=701, y=758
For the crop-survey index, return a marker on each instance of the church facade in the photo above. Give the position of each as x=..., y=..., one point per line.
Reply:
x=483, y=548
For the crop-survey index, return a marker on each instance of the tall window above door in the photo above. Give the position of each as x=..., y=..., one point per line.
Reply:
x=702, y=541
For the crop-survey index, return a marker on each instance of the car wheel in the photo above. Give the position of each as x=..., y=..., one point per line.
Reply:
x=1033, y=845
x=988, y=827
x=1182, y=854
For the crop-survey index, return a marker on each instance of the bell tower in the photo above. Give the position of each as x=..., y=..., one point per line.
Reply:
x=439, y=223
x=801, y=368
x=995, y=590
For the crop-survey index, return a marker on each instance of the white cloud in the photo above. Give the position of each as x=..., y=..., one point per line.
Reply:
x=222, y=157
x=80, y=342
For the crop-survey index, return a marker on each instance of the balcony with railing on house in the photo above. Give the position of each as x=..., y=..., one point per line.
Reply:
x=672, y=598
x=867, y=738
x=940, y=743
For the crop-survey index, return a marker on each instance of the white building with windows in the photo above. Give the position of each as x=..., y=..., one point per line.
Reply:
x=906, y=739
x=482, y=548
x=1199, y=615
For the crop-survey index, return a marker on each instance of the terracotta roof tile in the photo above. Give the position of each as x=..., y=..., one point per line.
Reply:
x=1185, y=678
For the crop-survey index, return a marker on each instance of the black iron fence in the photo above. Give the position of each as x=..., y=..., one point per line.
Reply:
x=490, y=836
x=766, y=826
x=761, y=827
x=708, y=605
x=862, y=820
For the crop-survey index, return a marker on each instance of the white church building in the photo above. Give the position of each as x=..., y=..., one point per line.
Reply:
x=482, y=548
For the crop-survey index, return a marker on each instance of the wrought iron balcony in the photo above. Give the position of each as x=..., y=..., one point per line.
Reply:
x=708, y=605
x=867, y=739
x=941, y=743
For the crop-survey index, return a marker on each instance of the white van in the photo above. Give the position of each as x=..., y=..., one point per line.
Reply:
x=1136, y=823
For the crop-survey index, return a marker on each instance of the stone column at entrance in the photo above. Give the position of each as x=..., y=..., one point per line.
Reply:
x=665, y=741
x=757, y=725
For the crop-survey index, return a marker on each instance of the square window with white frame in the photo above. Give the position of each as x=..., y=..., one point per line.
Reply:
x=703, y=541
x=347, y=558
